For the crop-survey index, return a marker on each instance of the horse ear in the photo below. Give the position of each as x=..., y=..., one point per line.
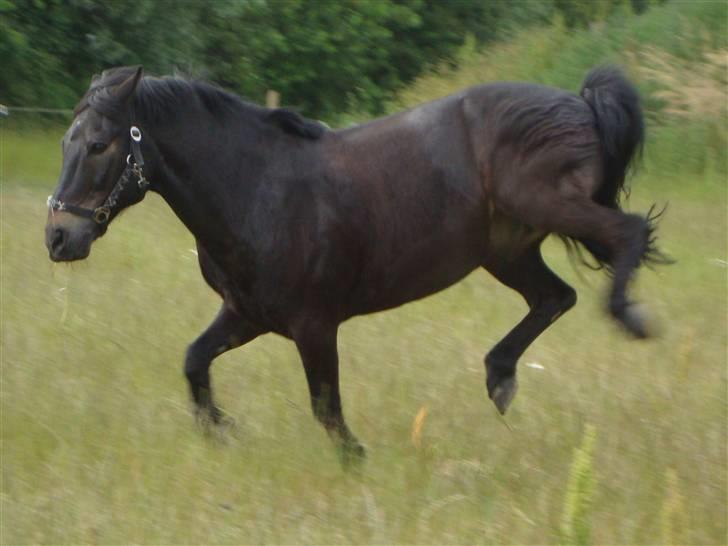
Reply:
x=125, y=90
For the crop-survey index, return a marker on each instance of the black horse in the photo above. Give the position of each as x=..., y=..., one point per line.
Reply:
x=299, y=227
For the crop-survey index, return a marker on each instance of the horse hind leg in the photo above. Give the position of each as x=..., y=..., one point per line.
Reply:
x=635, y=246
x=623, y=240
x=548, y=297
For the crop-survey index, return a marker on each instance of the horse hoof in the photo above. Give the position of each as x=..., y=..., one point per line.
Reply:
x=503, y=393
x=636, y=320
x=213, y=419
x=220, y=418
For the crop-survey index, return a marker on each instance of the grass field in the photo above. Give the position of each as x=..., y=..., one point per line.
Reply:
x=99, y=445
x=609, y=441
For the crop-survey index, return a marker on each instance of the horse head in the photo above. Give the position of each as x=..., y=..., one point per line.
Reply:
x=102, y=171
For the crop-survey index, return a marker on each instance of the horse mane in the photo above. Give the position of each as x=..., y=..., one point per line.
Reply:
x=295, y=124
x=157, y=98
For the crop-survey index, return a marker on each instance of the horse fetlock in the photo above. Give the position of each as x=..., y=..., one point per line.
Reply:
x=201, y=393
x=202, y=396
x=209, y=417
x=501, y=380
x=500, y=362
x=351, y=454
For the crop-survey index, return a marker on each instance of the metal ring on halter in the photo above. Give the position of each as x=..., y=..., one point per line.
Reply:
x=136, y=134
x=101, y=215
x=129, y=160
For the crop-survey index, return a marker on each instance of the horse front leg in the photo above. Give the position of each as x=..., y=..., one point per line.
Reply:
x=548, y=297
x=228, y=331
x=316, y=343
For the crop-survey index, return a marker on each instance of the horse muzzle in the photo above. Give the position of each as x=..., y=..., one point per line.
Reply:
x=68, y=244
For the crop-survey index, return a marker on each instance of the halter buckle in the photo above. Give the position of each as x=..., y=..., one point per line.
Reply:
x=136, y=134
x=55, y=204
x=101, y=215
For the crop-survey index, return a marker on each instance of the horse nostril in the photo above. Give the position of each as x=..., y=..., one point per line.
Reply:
x=58, y=238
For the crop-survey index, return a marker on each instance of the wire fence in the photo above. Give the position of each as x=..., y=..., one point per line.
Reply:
x=7, y=110
x=272, y=100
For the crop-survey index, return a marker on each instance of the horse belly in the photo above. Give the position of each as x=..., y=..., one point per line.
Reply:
x=421, y=270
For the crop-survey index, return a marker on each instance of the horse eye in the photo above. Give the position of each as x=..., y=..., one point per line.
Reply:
x=97, y=147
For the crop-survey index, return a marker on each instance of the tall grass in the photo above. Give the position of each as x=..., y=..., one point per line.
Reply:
x=674, y=524
x=576, y=520
x=99, y=444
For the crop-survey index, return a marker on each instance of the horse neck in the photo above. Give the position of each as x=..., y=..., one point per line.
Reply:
x=198, y=173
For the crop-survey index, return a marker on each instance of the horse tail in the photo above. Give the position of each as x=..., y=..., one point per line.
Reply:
x=615, y=103
x=621, y=127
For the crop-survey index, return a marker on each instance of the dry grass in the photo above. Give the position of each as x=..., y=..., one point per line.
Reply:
x=688, y=89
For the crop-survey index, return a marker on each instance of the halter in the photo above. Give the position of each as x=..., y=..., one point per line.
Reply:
x=134, y=165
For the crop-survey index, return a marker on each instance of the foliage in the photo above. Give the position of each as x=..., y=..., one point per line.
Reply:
x=580, y=14
x=53, y=47
x=325, y=57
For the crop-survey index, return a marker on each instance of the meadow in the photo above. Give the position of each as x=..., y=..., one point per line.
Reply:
x=609, y=440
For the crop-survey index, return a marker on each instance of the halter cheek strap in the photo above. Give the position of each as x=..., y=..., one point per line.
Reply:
x=134, y=165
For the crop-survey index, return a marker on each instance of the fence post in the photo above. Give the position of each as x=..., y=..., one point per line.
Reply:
x=272, y=99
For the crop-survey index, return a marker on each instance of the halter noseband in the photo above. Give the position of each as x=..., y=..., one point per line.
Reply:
x=134, y=165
